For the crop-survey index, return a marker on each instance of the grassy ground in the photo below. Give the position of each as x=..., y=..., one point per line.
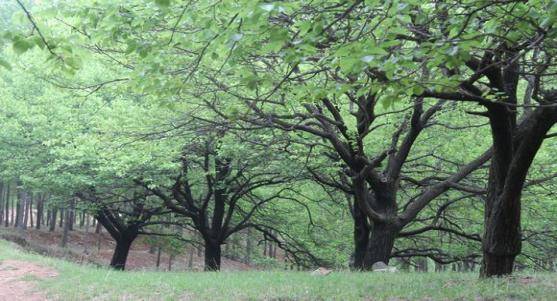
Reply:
x=77, y=282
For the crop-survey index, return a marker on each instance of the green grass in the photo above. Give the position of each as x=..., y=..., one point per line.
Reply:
x=76, y=282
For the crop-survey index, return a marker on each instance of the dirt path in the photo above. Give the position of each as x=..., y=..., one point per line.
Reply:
x=13, y=283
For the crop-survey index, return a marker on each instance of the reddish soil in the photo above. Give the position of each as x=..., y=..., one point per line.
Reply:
x=86, y=247
x=13, y=285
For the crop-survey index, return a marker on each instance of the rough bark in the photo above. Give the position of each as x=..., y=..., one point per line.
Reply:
x=212, y=256
x=121, y=251
x=361, y=238
x=380, y=245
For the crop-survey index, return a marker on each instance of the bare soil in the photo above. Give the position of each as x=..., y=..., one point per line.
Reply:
x=97, y=248
x=15, y=283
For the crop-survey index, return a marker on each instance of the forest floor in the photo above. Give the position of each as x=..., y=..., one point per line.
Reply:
x=46, y=278
x=98, y=248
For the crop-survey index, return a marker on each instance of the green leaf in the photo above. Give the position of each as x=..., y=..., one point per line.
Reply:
x=5, y=64
x=163, y=3
x=20, y=46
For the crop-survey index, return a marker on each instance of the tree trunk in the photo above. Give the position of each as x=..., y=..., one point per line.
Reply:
x=380, y=244
x=249, y=247
x=361, y=238
x=170, y=258
x=500, y=246
x=40, y=209
x=212, y=256
x=159, y=251
x=120, y=255
x=71, y=215
x=19, y=213
x=7, y=207
x=62, y=213
x=30, y=211
x=439, y=267
x=25, y=204
x=86, y=223
x=64, y=241
x=52, y=225
x=14, y=206
x=1, y=202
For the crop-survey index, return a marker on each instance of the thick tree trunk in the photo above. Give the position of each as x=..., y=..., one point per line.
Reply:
x=502, y=239
x=361, y=239
x=380, y=245
x=120, y=255
x=212, y=256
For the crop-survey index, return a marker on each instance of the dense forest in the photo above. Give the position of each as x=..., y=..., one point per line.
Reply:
x=286, y=134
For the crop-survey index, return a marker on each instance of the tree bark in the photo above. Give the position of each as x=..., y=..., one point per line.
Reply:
x=62, y=213
x=212, y=256
x=249, y=247
x=381, y=243
x=159, y=251
x=30, y=206
x=515, y=149
x=40, y=210
x=170, y=258
x=25, y=205
x=361, y=238
x=120, y=255
x=2, y=199
x=52, y=225
x=19, y=213
x=14, y=205
x=64, y=241
x=7, y=207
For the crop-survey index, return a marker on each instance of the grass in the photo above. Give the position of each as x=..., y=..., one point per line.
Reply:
x=82, y=282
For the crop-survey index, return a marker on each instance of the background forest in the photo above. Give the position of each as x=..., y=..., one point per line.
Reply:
x=283, y=134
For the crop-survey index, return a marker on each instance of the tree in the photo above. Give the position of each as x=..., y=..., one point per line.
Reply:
x=221, y=190
x=124, y=216
x=522, y=50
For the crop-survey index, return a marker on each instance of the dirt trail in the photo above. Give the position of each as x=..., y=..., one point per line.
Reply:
x=13, y=283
